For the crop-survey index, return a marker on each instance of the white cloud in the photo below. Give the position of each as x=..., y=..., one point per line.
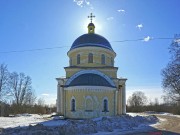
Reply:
x=148, y=38
x=49, y=98
x=87, y=2
x=45, y=94
x=110, y=18
x=79, y=2
x=83, y=3
x=9, y=94
x=139, y=26
x=121, y=10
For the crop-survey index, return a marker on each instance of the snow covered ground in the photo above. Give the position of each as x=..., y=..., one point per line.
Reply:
x=44, y=124
x=20, y=120
x=132, y=123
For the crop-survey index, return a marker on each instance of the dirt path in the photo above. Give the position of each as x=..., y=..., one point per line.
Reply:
x=169, y=123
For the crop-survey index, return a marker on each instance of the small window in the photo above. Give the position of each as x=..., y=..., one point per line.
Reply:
x=112, y=61
x=103, y=59
x=105, y=105
x=90, y=58
x=78, y=59
x=73, y=105
x=70, y=61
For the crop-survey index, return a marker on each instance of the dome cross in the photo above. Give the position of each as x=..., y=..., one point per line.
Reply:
x=91, y=17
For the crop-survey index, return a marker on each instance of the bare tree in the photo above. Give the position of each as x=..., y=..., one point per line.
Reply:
x=138, y=98
x=21, y=88
x=41, y=102
x=171, y=74
x=4, y=75
x=30, y=98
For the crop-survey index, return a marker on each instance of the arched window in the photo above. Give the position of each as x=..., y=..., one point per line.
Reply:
x=90, y=58
x=112, y=61
x=105, y=105
x=103, y=59
x=70, y=61
x=78, y=59
x=73, y=103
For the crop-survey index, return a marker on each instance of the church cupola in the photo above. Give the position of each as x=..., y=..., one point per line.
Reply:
x=91, y=26
x=91, y=49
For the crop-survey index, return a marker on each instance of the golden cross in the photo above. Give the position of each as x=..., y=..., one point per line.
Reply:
x=91, y=17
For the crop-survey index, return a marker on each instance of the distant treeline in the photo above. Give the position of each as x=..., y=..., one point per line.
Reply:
x=10, y=110
x=174, y=109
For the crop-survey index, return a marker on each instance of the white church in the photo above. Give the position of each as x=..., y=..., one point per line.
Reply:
x=91, y=87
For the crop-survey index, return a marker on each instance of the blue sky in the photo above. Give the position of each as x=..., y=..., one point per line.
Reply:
x=38, y=24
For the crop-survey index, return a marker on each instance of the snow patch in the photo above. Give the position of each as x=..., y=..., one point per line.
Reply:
x=162, y=113
x=39, y=124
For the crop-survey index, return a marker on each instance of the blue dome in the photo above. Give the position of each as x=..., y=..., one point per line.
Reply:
x=91, y=40
x=90, y=79
x=91, y=24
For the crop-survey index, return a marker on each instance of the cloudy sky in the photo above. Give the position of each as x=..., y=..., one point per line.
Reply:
x=35, y=36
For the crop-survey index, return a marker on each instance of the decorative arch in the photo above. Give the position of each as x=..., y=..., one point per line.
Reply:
x=89, y=103
x=90, y=71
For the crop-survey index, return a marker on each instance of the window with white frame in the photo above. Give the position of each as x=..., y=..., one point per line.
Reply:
x=112, y=61
x=78, y=59
x=70, y=61
x=73, y=103
x=103, y=59
x=105, y=105
x=90, y=58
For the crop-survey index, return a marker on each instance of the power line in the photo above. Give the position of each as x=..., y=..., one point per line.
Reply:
x=38, y=49
x=59, y=47
x=129, y=40
x=142, y=39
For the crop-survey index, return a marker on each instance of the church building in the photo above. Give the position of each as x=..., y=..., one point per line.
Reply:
x=91, y=87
